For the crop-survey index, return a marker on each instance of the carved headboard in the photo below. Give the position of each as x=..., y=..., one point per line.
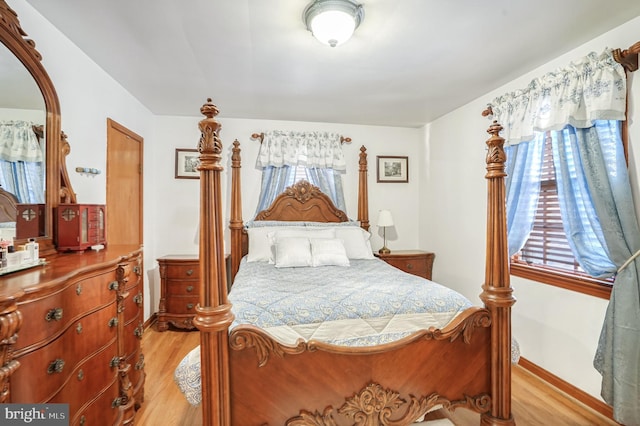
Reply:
x=303, y=202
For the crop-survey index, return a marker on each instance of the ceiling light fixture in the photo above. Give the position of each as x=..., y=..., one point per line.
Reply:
x=333, y=22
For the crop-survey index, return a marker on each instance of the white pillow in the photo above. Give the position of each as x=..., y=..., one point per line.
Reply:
x=328, y=251
x=260, y=242
x=273, y=236
x=356, y=242
x=291, y=252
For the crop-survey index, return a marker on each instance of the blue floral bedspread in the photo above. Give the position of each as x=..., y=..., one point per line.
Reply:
x=367, y=303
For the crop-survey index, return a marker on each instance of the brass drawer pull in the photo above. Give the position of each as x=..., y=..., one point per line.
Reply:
x=54, y=315
x=80, y=375
x=56, y=366
x=113, y=322
x=189, y=306
x=79, y=289
x=189, y=289
x=140, y=363
x=115, y=361
x=137, y=299
x=79, y=328
x=113, y=285
x=190, y=272
x=409, y=265
x=139, y=330
x=83, y=420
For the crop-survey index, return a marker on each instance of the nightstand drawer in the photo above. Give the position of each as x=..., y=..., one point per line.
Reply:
x=183, y=288
x=414, y=262
x=188, y=271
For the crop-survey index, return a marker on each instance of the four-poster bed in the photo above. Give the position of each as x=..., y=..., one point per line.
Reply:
x=249, y=378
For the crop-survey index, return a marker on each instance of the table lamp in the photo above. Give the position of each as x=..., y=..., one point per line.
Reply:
x=384, y=220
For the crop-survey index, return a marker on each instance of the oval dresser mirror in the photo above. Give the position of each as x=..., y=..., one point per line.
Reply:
x=30, y=104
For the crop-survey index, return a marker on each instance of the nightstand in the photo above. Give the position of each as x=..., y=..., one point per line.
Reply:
x=179, y=291
x=416, y=262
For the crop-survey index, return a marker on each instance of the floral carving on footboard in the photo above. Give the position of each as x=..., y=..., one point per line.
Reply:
x=377, y=406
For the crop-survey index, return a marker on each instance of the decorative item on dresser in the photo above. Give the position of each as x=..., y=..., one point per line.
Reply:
x=29, y=221
x=179, y=291
x=80, y=226
x=416, y=262
x=71, y=341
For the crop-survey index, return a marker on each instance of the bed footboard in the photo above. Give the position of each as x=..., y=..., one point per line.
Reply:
x=393, y=384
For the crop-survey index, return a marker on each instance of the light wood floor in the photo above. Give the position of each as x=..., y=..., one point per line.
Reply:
x=534, y=402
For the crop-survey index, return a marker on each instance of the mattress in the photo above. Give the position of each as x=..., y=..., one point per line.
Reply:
x=365, y=304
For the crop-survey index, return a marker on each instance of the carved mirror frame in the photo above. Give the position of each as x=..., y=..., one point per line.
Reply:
x=57, y=186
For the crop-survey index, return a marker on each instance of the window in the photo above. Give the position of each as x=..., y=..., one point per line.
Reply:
x=546, y=256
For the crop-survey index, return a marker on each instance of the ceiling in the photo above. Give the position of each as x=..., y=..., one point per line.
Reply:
x=409, y=62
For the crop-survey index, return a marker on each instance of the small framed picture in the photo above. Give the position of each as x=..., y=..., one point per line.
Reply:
x=187, y=161
x=393, y=169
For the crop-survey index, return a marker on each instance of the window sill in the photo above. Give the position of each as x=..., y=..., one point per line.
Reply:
x=585, y=285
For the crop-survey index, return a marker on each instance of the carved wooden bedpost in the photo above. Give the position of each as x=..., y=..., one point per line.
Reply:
x=235, y=222
x=497, y=292
x=213, y=314
x=363, y=191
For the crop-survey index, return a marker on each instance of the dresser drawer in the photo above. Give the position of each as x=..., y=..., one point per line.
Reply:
x=88, y=380
x=52, y=365
x=133, y=304
x=136, y=372
x=53, y=313
x=102, y=411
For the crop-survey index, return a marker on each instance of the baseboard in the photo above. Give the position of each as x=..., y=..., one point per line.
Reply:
x=150, y=321
x=566, y=387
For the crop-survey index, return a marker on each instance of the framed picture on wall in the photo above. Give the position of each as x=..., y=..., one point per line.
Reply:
x=393, y=169
x=186, y=163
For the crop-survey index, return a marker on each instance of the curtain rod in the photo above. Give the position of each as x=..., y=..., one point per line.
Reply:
x=628, y=58
x=260, y=136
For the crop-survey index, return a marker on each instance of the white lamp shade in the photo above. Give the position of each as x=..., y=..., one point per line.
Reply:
x=333, y=22
x=385, y=218
x=333, y=27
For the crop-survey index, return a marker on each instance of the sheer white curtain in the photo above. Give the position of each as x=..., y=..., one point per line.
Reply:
x=320, y=153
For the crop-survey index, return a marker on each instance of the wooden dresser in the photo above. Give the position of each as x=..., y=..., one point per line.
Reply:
x=71, y=332
x=416, y=262
x=179, y=291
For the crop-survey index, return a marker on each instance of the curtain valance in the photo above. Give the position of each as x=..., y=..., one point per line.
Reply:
x=307, y=149
x=593, y=88
x=18, y=142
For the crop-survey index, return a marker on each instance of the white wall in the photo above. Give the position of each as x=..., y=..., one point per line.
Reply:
x=177, y=199
x=557, y=329
x=88, y=96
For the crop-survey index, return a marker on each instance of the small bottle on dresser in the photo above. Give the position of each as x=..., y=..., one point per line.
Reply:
x=31, y=252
